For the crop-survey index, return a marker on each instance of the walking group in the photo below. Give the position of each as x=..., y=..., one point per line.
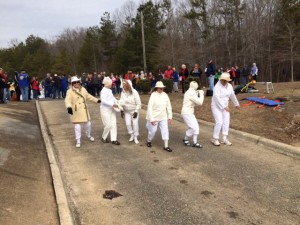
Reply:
x=159, y=111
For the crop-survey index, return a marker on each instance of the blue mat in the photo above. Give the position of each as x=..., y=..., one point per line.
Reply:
x=264, y=101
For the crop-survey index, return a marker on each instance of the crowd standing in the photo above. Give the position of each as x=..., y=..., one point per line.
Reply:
x=120, y=93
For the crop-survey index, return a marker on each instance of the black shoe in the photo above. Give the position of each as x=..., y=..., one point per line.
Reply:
x=149, y=145
x=186, y=142
x=115, y=143
x=197, y=145
x=168, y=149
x=105, y=140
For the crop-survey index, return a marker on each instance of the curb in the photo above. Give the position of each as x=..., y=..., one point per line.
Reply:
x=276, y=146
x=64, y=212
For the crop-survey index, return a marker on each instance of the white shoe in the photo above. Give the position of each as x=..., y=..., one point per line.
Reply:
x=136, y=140
x=216, y=142
x=91, y=138
x=78, y=145
x=226, y=142
x=131, y=138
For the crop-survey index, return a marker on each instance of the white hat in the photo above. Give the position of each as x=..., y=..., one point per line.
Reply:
x=74, y=79
x=106, y=81
x=194, y=85
x=159, y=84
x=225, y=76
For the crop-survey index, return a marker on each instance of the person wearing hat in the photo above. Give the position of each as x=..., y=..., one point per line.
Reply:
x=159, y=114
x=131, y=103
x=108, y=108
x=192, y=97
x=76, y=105
x=223, y=91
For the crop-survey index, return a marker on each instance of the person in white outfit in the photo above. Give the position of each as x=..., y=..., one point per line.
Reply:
x=108, y=109
x=192, y=97
x=131, y=104
x=159, y=114
x=223, y=91
x=75, y=102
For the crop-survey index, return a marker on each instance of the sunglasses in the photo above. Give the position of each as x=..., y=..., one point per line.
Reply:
x=76, y=82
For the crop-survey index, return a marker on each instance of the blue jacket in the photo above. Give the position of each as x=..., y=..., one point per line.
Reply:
x=175, y=76
x=23, y=80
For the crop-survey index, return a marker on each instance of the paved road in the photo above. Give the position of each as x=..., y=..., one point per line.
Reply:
x=26, y=191
x=246, y=183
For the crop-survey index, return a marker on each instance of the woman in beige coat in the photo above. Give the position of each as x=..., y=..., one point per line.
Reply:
x=76, y=105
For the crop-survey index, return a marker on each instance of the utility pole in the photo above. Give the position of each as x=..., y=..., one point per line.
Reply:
x=143, y=41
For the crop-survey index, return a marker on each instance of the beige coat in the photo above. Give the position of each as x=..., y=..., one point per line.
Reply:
x=77, y=101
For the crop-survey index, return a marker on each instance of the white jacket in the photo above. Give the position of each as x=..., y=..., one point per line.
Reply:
x=222, y=94
x=190, y=100
x=130, y=102
x=107, y=98
x=159, y=107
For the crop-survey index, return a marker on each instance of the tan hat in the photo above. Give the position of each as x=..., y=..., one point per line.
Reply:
x=225, y=76
x=159, y=84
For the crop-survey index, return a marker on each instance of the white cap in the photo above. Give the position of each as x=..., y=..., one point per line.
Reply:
x=106, y=81
x=74, y=79
x=194, y=85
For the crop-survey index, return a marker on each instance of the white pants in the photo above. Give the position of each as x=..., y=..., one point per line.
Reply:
x=175, y=86
x=77, y=128
x=132, y=124
x=192, y=123
x=222, y=119
x=163, y=126
x=109, y=120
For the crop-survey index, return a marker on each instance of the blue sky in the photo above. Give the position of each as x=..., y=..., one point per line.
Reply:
x=47, y=19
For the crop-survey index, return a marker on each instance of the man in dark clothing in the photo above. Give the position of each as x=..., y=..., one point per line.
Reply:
x=17, y=87
x=47, y=85
x=210, y=74
x=95, y=85
x=56, y=83
x=245, y=74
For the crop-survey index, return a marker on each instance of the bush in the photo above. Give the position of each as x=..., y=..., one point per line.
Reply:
x=169, y=85
x=189, y=80
x=144, y=86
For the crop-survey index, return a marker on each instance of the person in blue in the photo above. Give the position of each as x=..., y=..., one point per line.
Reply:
x=47, y=85
x=23, y=84
x=175, y=77
x=210, y=74
x=64, y=85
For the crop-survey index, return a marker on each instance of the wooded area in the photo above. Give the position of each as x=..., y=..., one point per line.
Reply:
x=230, y=32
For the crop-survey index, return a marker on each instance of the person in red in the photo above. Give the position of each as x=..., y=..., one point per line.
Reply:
x=168, y=73
x=183, y=74
x=233, y=75
x=35, y=87
x=128, y=75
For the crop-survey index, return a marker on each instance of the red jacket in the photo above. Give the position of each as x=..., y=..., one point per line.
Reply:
x=35, y=85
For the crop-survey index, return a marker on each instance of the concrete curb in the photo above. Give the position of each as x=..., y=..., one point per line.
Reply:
x=64, y=212
x=274, y=145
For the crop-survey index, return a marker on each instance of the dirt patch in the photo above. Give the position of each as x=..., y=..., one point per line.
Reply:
x=276, y=124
